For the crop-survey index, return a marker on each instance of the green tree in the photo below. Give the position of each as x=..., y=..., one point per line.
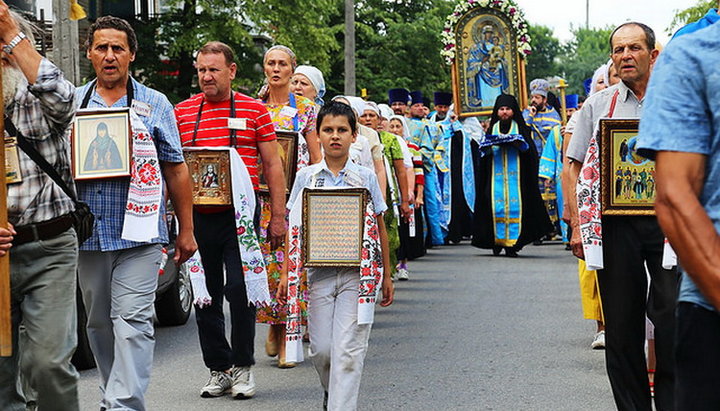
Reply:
x=690, y=14
x=168, y=42
x=303, y=25
x=588, y=50
x=543, y=61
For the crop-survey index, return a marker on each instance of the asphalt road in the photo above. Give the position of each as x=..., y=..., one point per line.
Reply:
x=469, y=331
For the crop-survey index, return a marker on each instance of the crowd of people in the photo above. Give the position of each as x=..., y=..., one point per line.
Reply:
x=432, y=179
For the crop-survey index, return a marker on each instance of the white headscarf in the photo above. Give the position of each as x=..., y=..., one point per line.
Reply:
x=357, y=104
x=600, y=72
x=406, y=129
x=316, y=78
x=607, y=72
x=385, y=111
x=372, y=106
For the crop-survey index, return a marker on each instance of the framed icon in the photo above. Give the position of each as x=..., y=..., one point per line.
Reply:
x=627, y=179
x=13, y=174
x=211, y=176
x=333, y=222
x=487, y=63
x=101, y=143
x=288, y=150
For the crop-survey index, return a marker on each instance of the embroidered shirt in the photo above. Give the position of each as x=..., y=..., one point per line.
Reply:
x=326, y=179
x=42, y=112
x=254, y=125
x=107, y=198
x=597, y=107
x=691, y=127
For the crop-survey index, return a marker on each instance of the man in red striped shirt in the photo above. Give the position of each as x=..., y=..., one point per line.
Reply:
x=221, y=117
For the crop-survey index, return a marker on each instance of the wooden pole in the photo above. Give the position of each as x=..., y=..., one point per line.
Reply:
x=66, y=53
x=5, y=315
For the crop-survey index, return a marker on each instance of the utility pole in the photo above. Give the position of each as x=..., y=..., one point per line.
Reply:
x=66, y=46
x=349, y=47
x=587, y=14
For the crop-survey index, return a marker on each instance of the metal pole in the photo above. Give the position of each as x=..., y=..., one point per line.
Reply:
x=349, y=47
x=65, y=53
x=587, y=14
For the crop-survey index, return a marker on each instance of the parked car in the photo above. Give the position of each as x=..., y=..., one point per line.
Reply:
x=173, y=300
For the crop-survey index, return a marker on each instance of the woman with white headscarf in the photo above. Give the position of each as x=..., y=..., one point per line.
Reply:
x=373, y=138
x=308, y=82
x=412, y=239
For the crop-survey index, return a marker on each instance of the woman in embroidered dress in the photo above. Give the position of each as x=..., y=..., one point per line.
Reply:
x=508, y=208
x=289, y=112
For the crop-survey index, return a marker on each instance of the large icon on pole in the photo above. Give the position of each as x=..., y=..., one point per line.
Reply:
x=486, y=46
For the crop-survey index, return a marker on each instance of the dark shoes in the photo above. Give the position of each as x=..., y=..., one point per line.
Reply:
x=509, y=251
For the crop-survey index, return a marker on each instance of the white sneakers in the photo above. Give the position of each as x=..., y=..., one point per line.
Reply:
x=402, y=274
x=599, y=341
x=218, y=384
x=243, y=383
x=240, y=382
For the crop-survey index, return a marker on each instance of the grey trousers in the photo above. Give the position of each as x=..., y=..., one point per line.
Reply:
x=118, y=289
x=42, y=281
x=337, y=343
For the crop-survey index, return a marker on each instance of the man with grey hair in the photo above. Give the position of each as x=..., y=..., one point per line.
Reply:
x=39, y=103
x=630, y=244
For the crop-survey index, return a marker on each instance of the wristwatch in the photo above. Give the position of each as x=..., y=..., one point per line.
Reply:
x=8, y=48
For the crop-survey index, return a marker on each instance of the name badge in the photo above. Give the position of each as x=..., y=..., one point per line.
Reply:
x=288, y=111
x=237, y=123
x=12, y=161
x=353, y=179
x=142, y=109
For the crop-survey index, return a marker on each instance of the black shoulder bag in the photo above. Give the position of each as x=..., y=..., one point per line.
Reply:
x=83, y=218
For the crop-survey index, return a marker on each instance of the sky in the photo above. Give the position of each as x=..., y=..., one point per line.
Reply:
x=561, y=14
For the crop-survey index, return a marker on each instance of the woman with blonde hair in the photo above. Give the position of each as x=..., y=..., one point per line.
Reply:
x=289, y=112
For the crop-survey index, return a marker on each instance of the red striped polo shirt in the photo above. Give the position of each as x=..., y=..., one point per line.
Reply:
x=213, y=129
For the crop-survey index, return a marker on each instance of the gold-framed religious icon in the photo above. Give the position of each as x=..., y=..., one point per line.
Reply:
x=333, y=222
x=211, y=176
x=486, y=46
x=627, y=179
x=288, y=150
x=101, y=143
x=13, y=174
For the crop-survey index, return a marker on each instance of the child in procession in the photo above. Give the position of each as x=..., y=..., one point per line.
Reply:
x=338, y=342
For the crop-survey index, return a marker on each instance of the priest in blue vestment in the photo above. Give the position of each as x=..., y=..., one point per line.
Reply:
x=509, y=212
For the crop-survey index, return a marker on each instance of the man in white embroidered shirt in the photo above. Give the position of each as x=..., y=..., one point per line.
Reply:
x=630, y=242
